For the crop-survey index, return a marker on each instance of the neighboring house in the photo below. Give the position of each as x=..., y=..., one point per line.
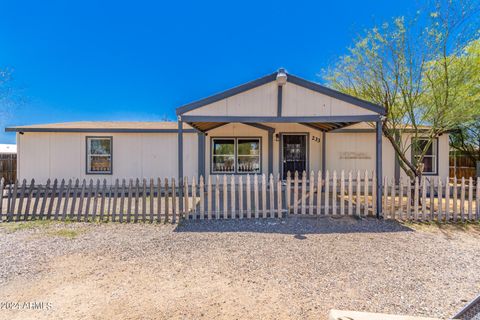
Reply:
x=8, y=162
x=274, y=124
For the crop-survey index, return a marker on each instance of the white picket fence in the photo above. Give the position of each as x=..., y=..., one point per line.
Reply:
x=241, y=196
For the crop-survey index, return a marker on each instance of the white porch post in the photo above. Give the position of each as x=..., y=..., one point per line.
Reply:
x=378, y=167
x=180, y=164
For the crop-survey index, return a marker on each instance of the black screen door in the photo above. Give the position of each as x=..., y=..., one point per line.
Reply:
x=294, y=155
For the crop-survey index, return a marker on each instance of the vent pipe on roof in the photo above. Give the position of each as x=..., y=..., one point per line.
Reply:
x=281, y=77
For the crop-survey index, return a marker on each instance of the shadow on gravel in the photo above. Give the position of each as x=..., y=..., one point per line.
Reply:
x=295, y=226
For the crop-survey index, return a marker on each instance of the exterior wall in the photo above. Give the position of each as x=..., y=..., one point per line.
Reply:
x=135, y=155
x=148, y=155
x=260, y=101
x=299, y=101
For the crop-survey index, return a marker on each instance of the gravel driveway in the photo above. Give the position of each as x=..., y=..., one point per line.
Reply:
x=265, y=269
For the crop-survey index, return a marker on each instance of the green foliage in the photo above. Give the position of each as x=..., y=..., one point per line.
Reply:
x=424, y=70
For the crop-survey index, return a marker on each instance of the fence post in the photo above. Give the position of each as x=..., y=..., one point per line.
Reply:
x=350, y=194
x=311, y=184
x=202, y=199
x=225, y=197
x=255, y=196
x=249, y=197
x=319, y=192
x=279, y=196
x=272, y=197
x=233, y=195
x=304, y=192
x=342, y=192
x=240, y=196
x=295, y=193
x=287, y=193
x=470, y=198
x=334, y=192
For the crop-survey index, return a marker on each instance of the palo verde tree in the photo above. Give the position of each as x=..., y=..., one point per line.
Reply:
x=419, y=69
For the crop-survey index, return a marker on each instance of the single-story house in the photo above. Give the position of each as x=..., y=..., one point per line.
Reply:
x=275, y=124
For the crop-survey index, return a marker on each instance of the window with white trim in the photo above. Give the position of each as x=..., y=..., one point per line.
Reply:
x=99, y=155
x=430, y=158
x=236, y=155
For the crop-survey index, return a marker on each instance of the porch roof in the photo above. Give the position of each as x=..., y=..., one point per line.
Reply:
x=323, y=123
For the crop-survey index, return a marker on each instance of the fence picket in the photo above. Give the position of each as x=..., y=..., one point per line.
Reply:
x=232, y=197
x=416, y=199
x=400, y=199
x=217, y=199
x=174, y=202
x=288, y=202
x=95, y=200
x=44, y=200
x=202, y=199
x=225, y=197
x=358, y=198
x=52, y=199
x=194, y=198
x=455, y=198
x=279, y=196
x=59, y=199
x=129, y=200
x=385, y=197
x=74, y=199
x=159, y=200
x=240, y=197
x=327, y=196
x=392, y=200
x=255, y=196
x=67, y=198
x=366, y=206
x=350, y=194
x=102, y=200
x=166, y=201
x=136, y=200
x=9, y=202
x=31, y=189
x=80, y=204
x=447, y=199
x=342, y=192
x=440, y=200
x=122, y=200
x=334, y=193
x=295, y=193
x=319, y=192
x=186, y=200
x=424, y=198
x=248, y=196
x=303, y=192
x=311, y=193
x=470, y=198
x=13, y=200
x=409, y=198
x=272, y=197
x=264, y=196
x=144, y=200
x=89, y=196
x=217, y=195
x=432, y=199
x=21, y=196
x=115, y=200
x=209, y=197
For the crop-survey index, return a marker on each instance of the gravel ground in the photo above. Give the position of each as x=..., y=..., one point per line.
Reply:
x=269, y=269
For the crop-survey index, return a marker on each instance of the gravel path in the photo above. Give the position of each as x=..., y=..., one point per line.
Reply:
x=269, y=269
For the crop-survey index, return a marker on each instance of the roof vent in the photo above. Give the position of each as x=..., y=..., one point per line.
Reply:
x=281, y=77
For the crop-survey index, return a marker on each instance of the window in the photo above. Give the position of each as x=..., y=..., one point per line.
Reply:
x=99, y=155
x=430, y=158
x=236, y=155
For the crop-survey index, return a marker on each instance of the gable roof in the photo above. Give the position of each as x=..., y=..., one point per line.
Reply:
x=290, y=78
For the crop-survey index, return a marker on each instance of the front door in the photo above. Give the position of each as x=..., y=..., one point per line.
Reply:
x=294, y=153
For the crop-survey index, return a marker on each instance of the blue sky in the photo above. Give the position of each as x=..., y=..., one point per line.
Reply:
x=139, y=60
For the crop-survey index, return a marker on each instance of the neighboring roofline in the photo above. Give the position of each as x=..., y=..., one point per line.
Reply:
x=228, y=93
x=98, y=130
x=290, y=78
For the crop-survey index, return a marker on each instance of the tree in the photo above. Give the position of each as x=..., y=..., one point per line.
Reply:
x=420, y=70
x=466, y=139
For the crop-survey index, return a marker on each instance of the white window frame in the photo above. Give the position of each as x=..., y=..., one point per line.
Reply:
x=433, y=156
x=259, y=156
x=235, y=155
x=88, y=155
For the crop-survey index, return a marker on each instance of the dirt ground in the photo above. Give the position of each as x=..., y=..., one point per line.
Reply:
x=264, y=269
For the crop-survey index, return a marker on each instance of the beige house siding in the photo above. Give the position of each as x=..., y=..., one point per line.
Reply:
x=299, y=101
x=135, y=155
